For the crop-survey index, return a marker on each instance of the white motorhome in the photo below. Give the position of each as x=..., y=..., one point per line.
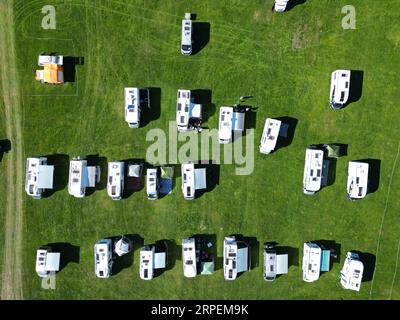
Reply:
x=186, y=110
x=115, y=181
x=352, y=272
x=312, y=255
x=189, y=259
x=313, y=166
x=39, y=176
x=357, y=180
x=236, y=257
x=81, y=176
x=134, y=98
x=152, y=184
x=192, y=180
x=186, y=40
x=270, y=135
x=47, y=261
x=340, y=88
x=229, y=120
x=151, y=260
x=274, y=264
x=280, y=5
x=103, y=259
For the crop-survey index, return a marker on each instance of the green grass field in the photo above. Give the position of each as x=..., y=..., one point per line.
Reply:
x=284, y=61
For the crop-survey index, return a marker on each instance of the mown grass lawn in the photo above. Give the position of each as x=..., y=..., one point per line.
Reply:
x=284, y=61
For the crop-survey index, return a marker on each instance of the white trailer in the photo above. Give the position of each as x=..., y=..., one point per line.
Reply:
x=81, y=176
x=313, y=166
x=189, y=258
x=47, y=261
x=45, y=59
x=280, y=5
x=115, y=180
x=186, y=39
x=274, y=264
x=312, y=255
x=270, y=135
x=236, y=257
x=151, y=260
x=229, y=120
x=186, y=110
x=340, y=88
x=352, y=272
x=357, y=180
x=192, y=180
x=103, y=259
x=39, y=176
x=152, y=184
x=135, y=98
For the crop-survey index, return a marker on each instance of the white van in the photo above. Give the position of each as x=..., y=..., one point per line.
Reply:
x=340, y=88
x=186, y=40
x=115, y=181
x=152, y=184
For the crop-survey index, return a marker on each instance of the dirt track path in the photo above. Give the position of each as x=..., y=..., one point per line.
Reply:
x=11, y=280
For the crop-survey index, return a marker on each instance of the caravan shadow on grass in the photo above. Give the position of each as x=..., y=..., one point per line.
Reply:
x=61, y=172
x=293, y=254
x=69, y=66
x=153, y=112
x=369, y=260
x=126, y=260
x=68, y=253
x=356, y=86
x=286, y=132
x=96, y=160
x=204, y=97
x=173, y=252
x=254, y=250
x=201, y=35
x=212, y=176
x=374, y=173
x=293, y=3
x=5, y=147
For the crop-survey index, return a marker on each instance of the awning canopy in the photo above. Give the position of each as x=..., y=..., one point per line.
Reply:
x=281, y=263
x=134, y=170
x=325, y=260
x=160, y=259
x=243, y=259
x=200, y=179
x=207, y=268
x=238, y=121
x=52, y=261
x=195, y=111
x=46, y=174
x=91, y=174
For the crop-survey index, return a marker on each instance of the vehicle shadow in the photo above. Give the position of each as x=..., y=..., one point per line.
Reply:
x=293, y=3
x=356, y=86
x=374, y=173
x=173, y=253
x=125, y=261
x=5, y=147
x=204, y=97
x=201, y=35
x=212, y=176
x=68, y=253
x=69, y=66
x=286, y=132
x=98, y=161
x=368, y=260
x=153, y=112
x=61, y=172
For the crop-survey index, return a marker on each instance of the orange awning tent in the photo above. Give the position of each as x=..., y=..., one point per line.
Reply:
x=52, y=73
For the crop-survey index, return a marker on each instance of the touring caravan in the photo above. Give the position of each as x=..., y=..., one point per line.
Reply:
x=103, y=258
x=340, y=88
x=115, y=181
x=152, y=185
x=352, y=272
x=135, y=99
x=357, y=180
x=314, y=162
x=53, y=71
x=81, y=176
x=236, y=257
x=270, y=135
x=47, y=261
x=192, y=180
x=186, y=39
x=230, y=119
x=274, y=264
x=39, y=176
x=189, y=259
x=316, y=259
x=187, y=112
x=151, y=260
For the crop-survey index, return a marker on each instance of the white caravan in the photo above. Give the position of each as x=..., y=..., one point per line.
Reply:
x=357, y=180
x=186, y=110
x=115, y=181
x=312, y=255
x=81, y=176
x=103, y=259
x=189, y=259
x=151, y=260
x=274, y=264
x=229, y=120
x=270, y=135
x=352, y=272
x=133, y=105
x=39, y=176
x=47, y=261
x=152, y=184
x=313, y=166
x=43, y=59
x=192, y=180
x=236, y=260
x=340, y=88
x=186, y=40
x=280, y=5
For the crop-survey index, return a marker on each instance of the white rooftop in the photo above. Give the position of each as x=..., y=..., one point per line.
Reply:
x=313, y=170
x=189, y=259
x=47, y=262
x=39, y=176
x=312, y=255
x=357, y=179
x=352, y=272
x=151, y=179
x=188, y=186
x=115, y=180
x=45, y=59
x=103, y=258
x=270, y=135
x=340, y=88
x=132, y=101
x=225, y=124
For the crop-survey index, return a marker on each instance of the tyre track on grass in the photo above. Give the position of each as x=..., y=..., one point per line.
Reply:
x=11, y=281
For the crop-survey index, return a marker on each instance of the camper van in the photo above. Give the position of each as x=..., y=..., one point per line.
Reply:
x=39, y=176
x=186, y=41
x=115, y=181
x=103, y=258
x=357, y=180
x=340, y=88
x=270, y=135
x=230, y=119
x=187, y=111
x=81, y=176
x=312, y=255
x=53, y=71
x=135, y=99
x=274, y=264
x=189, y=259
x=236, y=257
x=152, y=185
x=280, y=5
x=313, y=166
x=47, y=261
x=352, y=272
x=188, y=187
x=151, y=260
